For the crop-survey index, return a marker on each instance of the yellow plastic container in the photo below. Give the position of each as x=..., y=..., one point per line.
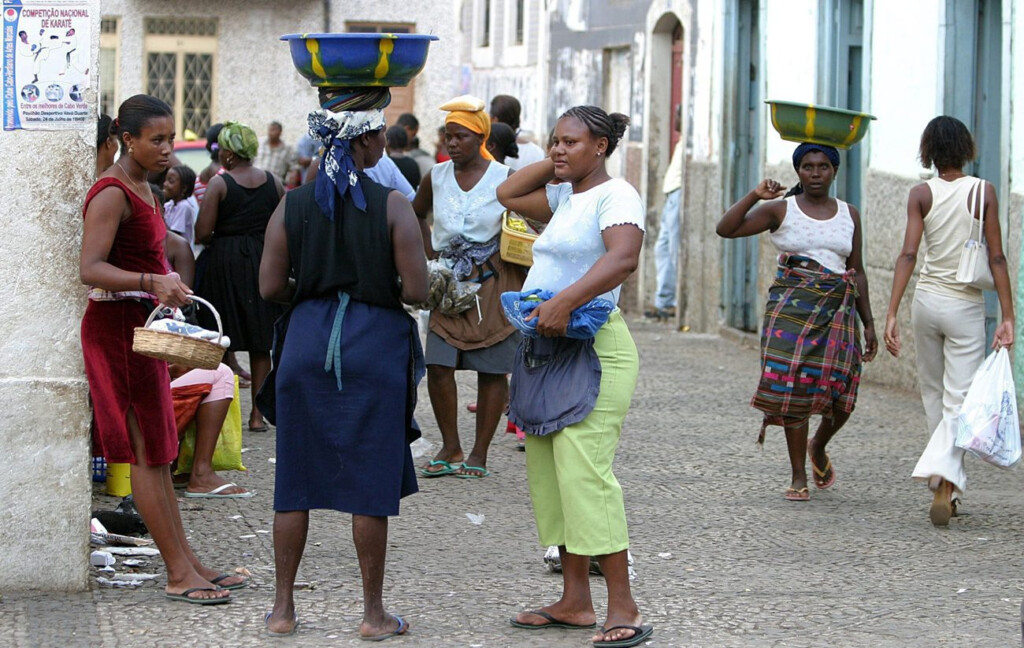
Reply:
x=517, y=240
x=119, y=479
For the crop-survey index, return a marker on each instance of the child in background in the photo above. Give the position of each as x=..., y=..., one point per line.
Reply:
x=181, y=209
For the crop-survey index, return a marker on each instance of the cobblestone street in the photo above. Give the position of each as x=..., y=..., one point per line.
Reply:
x=721, y=558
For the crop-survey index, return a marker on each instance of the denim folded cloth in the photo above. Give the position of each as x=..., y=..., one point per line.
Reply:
x=584, y=322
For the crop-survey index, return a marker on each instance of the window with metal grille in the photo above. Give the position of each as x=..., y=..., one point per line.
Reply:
x=179, y=58
x=110, y=44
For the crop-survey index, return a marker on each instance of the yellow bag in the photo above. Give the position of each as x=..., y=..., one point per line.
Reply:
x=228, y=453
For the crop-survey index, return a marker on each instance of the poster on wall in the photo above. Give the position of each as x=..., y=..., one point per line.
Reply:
x=46, y=64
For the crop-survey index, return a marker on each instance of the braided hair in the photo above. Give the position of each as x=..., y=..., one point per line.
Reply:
x=600, y=124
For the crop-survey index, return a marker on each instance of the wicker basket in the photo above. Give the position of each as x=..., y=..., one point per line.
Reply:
x=516, y=247
x=177, y=348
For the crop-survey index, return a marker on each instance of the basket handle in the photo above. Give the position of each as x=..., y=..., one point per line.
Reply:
x=216, y=315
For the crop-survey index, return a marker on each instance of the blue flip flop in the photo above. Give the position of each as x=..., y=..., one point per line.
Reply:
x=403, y=626
x=640, y=635
x=447, y=470
x=266, y=624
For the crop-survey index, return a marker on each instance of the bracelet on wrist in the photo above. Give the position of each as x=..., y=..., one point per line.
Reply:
x=142, y=275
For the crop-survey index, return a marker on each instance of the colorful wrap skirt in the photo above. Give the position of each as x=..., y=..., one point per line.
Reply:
x=810, y=344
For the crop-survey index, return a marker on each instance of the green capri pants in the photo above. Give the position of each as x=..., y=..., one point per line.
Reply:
x=576, y=499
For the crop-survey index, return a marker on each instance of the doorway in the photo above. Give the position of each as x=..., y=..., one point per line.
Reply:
x=742, y=169
x=841, y=79
x=974, y=95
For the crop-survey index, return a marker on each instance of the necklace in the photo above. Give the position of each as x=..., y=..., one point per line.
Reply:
x=137, y=189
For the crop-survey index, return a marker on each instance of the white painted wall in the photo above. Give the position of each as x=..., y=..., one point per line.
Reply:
x=44, y=429
x=1016, y=111
x=790, y=65
x=706, y=80
x=906, y=82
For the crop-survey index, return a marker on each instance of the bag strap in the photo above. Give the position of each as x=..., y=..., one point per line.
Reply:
x=978, y=199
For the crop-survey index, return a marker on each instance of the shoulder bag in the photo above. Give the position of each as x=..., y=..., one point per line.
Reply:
x=973, y=269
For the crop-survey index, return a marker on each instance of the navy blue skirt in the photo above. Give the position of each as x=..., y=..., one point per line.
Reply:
x=345, y=450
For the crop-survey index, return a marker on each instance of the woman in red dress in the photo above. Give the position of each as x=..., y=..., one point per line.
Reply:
x=123, y=263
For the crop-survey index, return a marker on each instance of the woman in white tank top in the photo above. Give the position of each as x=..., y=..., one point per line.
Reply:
x=948, y=317
x=810, y=344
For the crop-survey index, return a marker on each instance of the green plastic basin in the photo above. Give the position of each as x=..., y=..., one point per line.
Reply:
x=800, y=122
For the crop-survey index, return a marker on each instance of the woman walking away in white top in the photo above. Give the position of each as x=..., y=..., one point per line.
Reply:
x=948, y=317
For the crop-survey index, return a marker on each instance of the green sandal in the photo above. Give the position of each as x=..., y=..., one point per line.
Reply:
x=482, y=472
x=447, y=470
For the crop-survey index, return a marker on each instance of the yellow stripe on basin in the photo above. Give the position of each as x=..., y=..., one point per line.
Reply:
x=854, y=130
x=386, y=47
x=313, y=47
x=809, y=127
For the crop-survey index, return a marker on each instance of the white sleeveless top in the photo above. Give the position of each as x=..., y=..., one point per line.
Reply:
x=946, y=228
x=829, y=242
x=475, y=214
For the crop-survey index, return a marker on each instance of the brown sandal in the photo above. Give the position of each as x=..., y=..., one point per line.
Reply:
x=798, y=494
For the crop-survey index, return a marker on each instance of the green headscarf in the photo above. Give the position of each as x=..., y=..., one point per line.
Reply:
x=239, y=139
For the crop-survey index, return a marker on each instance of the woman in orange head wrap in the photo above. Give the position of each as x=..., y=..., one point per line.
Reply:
x=468, y=112
x=462, y=194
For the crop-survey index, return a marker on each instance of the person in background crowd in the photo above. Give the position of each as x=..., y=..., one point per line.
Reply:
x=441, y=154
x=591, y=245
x=124, y=264
x=411, y=125
x=231, y=224
x=387, y=173
x=501, y=143
x=274, y=154
x=306, y=149
x=397, y=142
x=507, y=109
x=948, y=316
x=467, y=225
x=106, y=145
x=211, y=169
x=810, y=343
x=180, y=211
x=666, y=248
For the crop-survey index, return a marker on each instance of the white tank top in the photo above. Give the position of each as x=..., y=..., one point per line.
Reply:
x=829, y=242
x=946, y=228
x=475, y=214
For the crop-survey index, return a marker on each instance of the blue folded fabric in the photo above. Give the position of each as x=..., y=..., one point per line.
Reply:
x=584, y=322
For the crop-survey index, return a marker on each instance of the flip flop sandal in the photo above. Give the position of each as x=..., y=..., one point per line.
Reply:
x=482, y=472
x=217, y=493
x=798, y=494
x=448, y=468
x=640, y=635
x=266, y=624
x=403, y=626
x=185, y=598
x=552, y=622
x=236, y=586
x=819, y=475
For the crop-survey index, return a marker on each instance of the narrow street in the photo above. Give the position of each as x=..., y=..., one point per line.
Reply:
x=721, y=558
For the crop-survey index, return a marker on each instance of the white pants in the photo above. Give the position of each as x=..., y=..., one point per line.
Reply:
x=950, y=338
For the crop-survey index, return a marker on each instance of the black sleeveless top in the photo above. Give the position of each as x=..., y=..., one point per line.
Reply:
x=351, y=254
x=245, y=210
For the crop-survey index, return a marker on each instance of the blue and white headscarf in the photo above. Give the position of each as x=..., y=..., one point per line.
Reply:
x=338, y=173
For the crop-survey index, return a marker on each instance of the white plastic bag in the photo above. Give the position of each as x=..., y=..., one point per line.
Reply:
x=987, y=425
